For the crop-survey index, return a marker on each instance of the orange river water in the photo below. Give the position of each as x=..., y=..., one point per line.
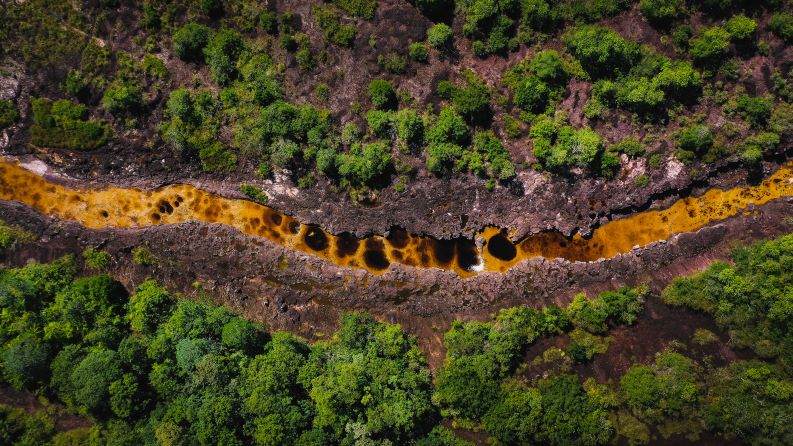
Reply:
x=134, y=208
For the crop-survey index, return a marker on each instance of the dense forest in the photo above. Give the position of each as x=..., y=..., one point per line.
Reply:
x=146, y=368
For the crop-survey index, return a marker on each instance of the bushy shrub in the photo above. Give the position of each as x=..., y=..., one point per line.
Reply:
x=471, y=100
x=559, y=147
x=96, y=258
x=334, y=31
x=190, y=40
x=379, y=123
x=755, y=109
x=710, y=46
x=393, y=62
x=679, y=81
x=382, y=94
x=531, y=95
x=442, y=156
x=122, y=98
x=418, y=51
x=662, y=12
x=450, y=127
x=8, y=113
x=216, y=158
x=740, y=27
x=358, y=8
x=549, y=67
x=630, y=146
x=365, y=162
x=221, y=54
x=781, y=24
x=254, y=193
x=440, y=36
x=696, y=138
x=409, y=126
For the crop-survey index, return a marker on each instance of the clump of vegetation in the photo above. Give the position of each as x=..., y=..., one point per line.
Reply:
x=419, y=52
x=662, y=12
x=63, y=124
x=142, y=256
x=382, y=94
x=12, y=235
x=558, y=146
x=254, y=193
x=190, y=40
x=440, y=36
x=694, y=140
x=221, y=54
x=358, y=8
x=479, y=355
x=471, y=100
x=757, y=110
x=96, y=258
x=630, y=146
x=122, y=98
x=781, y=23
x=601, y=51
x=332, y=28
x=8, y=113
x=192, y=128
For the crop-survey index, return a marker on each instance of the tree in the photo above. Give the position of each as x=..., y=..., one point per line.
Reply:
x=382, y=94
x=89, y=305
x=781, y=23
x=711, y=46
x=189, y=41
x=365, y=162
x=570, y=416
x=24, y=362
x=516, y=418
x=450, y=127
x=531, y=95
x=149, y=307
x=679, y=81
x=91, y=379
x=221, y=54
x=441, y=157
x=409, y=126
x=122, y=98
x=549, y=67
x=239, y=334
x=8, y=113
